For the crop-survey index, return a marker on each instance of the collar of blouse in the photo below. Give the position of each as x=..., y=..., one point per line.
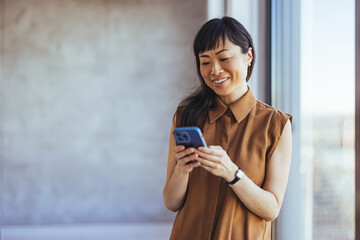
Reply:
x=240, y=108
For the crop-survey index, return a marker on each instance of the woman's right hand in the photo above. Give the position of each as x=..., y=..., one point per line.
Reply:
x=186, y=159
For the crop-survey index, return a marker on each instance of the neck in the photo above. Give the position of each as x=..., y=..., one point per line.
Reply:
x=229, y=99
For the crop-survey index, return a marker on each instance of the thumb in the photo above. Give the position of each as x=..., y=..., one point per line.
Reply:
x=215, y=147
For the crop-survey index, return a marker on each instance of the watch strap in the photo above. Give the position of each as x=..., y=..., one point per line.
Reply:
x=236, y=179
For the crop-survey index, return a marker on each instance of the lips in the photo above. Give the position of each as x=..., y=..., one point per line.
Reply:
x=218, y=82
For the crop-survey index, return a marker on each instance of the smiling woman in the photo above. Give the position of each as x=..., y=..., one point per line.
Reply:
x=224, y=70
x=240, y=185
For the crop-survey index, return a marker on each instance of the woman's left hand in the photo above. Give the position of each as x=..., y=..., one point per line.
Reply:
x=215, y=160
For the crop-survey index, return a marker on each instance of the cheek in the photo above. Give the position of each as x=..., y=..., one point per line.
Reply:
x=204, y=73
x=239, y=69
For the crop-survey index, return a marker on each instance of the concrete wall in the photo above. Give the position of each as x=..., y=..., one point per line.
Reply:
x=87, y=93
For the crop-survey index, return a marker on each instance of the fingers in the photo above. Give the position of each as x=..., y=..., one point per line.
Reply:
x=212, y=150
x=192, y=165
x=208, y=157
x=179, y=148
x=214, y=153
x=206, y=162
x=188, y=159
x=181, y=152
x=211, y=158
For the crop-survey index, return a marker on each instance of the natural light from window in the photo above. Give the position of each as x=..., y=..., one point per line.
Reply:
x=327, y=118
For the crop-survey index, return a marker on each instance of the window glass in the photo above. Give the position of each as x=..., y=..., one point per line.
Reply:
x=327, y=117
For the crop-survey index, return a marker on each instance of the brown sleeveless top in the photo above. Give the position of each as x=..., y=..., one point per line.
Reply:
x=248, y=130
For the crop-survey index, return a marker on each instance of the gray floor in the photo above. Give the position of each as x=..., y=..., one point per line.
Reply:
x=124, y=231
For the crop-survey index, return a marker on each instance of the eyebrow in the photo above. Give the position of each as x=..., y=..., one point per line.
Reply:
x=217, y=53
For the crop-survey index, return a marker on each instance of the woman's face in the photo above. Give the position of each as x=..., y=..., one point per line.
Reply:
x=224, y=70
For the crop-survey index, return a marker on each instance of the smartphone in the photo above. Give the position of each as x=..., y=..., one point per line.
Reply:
x=189, y=137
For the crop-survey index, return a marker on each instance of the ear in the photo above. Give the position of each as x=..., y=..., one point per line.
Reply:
x=250, y=56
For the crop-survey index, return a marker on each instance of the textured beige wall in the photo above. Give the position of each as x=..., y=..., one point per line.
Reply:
x=87, y=93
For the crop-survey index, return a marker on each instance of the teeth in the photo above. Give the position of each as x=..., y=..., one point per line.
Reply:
x=220, y=80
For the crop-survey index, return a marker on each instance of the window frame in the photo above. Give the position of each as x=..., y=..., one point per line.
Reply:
x=357, y=119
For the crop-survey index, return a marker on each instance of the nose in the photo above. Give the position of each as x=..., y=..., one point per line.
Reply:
x=216, y=68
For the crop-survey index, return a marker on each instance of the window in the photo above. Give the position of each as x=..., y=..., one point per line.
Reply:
x=327, y=117
x=313, y=78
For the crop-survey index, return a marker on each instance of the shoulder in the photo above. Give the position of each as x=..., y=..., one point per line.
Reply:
x=270, y=113
x=274, y=123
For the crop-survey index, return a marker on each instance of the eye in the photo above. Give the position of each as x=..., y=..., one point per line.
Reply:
x=205, y=63
x=224, y=59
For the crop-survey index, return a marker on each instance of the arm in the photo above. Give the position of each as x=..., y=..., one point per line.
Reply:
x=178, y=170
x=266, y=201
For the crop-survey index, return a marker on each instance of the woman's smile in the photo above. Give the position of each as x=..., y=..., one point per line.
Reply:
x=219, y=82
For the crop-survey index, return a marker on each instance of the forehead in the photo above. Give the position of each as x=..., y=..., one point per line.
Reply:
x=222, y=45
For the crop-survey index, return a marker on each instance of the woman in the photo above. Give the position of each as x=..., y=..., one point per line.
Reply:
x=240, y=185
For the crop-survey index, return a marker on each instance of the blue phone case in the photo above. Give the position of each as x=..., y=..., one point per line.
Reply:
x=189, y=137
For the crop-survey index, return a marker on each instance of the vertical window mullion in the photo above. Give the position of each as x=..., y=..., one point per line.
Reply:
x=357, y=120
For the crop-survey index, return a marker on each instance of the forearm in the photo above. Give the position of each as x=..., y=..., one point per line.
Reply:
x=175, y=190
x=261, y=202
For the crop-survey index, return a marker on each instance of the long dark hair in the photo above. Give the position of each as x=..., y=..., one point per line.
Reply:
x=191, y=110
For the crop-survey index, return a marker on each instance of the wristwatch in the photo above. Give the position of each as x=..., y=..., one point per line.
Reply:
x=238, y=175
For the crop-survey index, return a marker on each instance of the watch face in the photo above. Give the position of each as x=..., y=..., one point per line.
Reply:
x=239, y=173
